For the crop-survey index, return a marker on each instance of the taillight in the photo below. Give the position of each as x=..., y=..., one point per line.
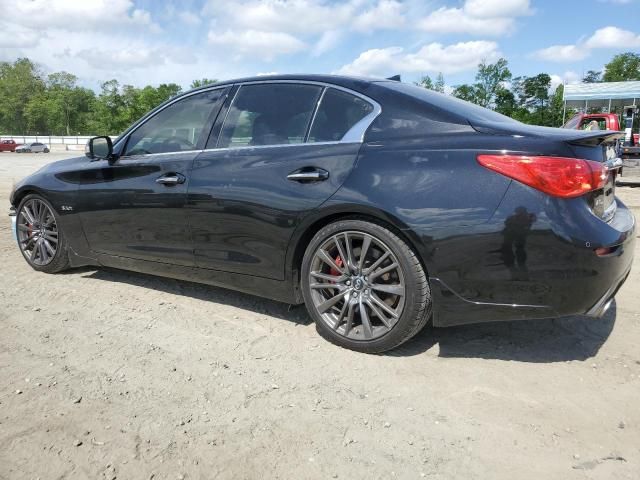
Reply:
x=556, y=176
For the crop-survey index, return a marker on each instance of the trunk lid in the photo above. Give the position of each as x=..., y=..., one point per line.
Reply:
x=600, y=146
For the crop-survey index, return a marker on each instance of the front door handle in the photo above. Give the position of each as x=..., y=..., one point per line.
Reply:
x=171, y=179
x=308, y=174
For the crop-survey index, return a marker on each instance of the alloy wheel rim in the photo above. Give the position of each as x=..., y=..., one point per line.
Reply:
x=357, y=285
x=37, y=232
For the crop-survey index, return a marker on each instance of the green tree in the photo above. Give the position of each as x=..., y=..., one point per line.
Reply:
x=438, y=86
x=466, y=92
x=490, y=80
x=556, y=108
x=425, y=82
x=108, y=110
x=202, y=82
x=592, y=76
x=505, y=102
x=20, y=81
x=623, y=67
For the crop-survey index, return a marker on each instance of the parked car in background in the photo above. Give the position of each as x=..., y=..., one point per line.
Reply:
x=378, y=204
x=33, y=147
x=8, y=146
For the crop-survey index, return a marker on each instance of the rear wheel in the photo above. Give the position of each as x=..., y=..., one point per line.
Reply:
x=364, y=286
x=40, y=239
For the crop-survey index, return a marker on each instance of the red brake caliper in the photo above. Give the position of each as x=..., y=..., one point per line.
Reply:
x=333, y=271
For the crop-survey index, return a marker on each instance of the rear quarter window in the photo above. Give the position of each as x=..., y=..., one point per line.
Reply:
x=338, y=112
x=449, y=104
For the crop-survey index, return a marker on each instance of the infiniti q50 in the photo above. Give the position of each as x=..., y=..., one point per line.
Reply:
x=380, y=205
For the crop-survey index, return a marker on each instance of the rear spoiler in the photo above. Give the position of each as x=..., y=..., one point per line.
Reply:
x=595, y=138
x=574, y=137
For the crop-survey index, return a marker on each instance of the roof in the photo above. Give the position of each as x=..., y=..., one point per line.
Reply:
x=345, y=81
x=602, y=91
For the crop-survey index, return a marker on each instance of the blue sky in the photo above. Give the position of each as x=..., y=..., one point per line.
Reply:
x=151, y=42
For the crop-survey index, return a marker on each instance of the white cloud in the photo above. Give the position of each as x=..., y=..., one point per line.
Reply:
x=319, y=22
x=562, y=53
x=75, y=15
x=189, y=18
x=497, y=8
x=292, y=17
x=13, y=35
x=477, y=17
x=455, y=20
x=328, y=41
x=613, y=37
x=433, y=57
x=606, y=37
x=255, y=43
x=387, y=14
x=568, y=77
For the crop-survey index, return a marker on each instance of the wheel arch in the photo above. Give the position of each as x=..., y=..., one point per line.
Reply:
x=22, y=192
x=312, y=225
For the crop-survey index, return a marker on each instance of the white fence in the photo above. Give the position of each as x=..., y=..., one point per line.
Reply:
x=54, y=142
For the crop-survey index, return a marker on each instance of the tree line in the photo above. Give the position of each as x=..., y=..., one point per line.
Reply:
x=33, y=103
x=54, y=104
x=530, y=99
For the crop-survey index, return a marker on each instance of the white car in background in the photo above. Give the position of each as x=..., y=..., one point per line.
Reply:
x=34, y=147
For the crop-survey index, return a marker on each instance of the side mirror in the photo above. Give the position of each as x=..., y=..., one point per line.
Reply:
x=99, y=148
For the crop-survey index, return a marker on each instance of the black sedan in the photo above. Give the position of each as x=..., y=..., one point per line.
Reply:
x=380, y=205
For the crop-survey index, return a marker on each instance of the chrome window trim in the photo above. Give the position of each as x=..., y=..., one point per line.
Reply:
x=315, y=112
x=354, y=135
x=245, y=147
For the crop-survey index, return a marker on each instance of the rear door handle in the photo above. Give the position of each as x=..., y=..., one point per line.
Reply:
x=308, y=175
x=171, y=179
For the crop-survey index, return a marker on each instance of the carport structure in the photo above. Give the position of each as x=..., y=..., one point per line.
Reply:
x=605, y=96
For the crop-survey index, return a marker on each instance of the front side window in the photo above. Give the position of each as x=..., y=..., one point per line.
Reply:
x=338, y=112
x=177, y=128
x=269, y=114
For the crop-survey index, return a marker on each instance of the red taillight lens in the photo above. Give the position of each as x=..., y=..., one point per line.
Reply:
x=556, y=176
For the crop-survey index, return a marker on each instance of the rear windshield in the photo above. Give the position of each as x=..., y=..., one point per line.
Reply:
x=473, y=113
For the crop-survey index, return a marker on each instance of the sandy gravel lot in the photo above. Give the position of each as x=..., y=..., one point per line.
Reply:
x=107, y=374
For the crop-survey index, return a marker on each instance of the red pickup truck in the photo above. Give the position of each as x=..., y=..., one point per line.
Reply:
x=8, y=145
x=607, y=121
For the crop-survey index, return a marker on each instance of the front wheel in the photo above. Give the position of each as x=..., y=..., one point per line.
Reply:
x=364, y=286
x=46, y=150
x=40, y=239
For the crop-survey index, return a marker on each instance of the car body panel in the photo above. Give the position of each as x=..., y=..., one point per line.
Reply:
x=125, y=212
x=243, y=209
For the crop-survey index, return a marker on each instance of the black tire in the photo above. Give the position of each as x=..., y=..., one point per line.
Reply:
x=46, y=150
x=416, y=310
x=60, y=260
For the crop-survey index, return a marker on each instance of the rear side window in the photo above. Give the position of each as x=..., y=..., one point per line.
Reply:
x=338, y=112
x=269, y=114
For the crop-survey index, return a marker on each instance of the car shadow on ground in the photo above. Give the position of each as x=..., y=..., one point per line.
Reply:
x=535, y=341
x=294, y=314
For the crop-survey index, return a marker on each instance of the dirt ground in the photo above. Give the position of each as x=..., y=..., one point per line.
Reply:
x=107, y=374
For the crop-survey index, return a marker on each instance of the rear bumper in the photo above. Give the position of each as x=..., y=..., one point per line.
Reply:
x=602, y=305
x=549, y=270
